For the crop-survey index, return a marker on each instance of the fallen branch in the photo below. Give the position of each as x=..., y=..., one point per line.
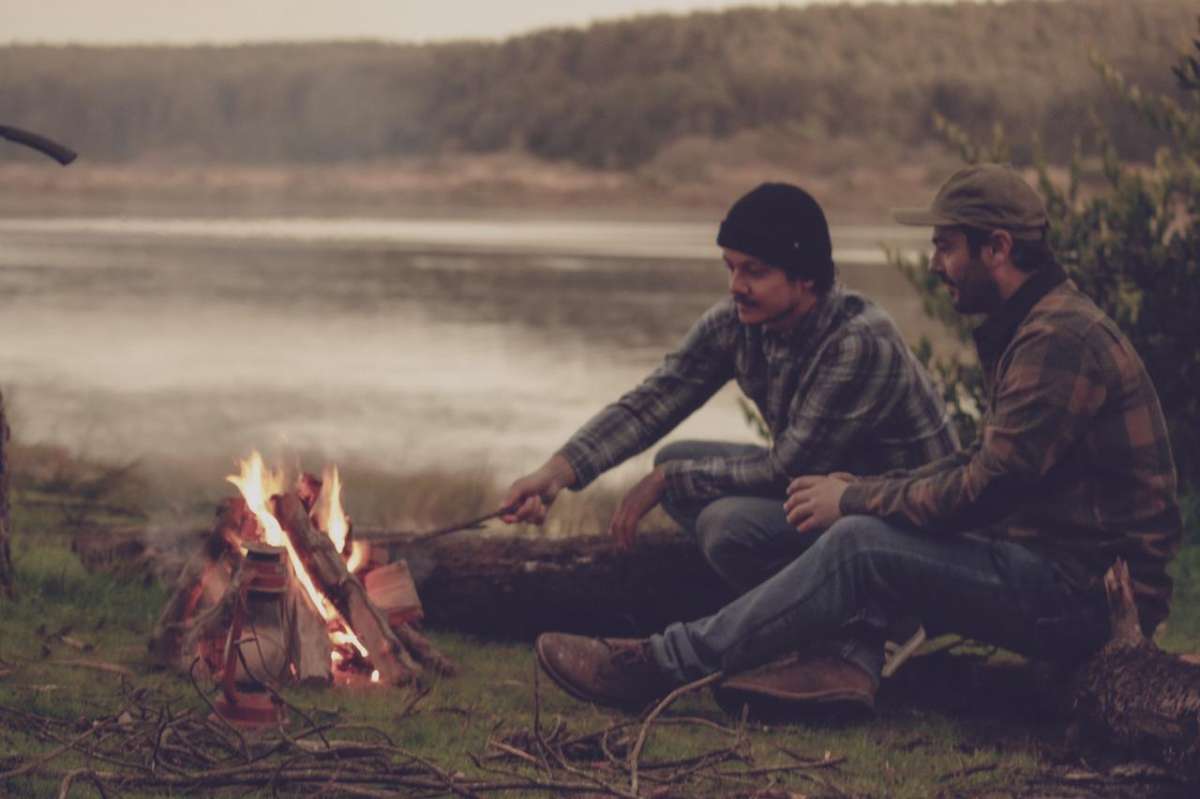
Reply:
x=670, y=698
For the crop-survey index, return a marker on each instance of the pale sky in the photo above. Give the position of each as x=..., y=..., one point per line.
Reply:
x=231, y=21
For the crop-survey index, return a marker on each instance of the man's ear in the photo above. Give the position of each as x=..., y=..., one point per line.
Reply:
x=1001, y=243
x=810, y=286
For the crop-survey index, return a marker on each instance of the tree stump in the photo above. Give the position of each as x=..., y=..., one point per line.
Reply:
x=1133, y=697
x=6, y=570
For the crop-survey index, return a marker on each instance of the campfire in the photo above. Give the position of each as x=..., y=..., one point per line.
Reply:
x=280, y=592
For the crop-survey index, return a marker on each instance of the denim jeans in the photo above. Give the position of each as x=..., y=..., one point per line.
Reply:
x=744, y=539
x=844, y=587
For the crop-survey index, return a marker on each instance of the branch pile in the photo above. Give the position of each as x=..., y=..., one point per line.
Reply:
x=151, y=744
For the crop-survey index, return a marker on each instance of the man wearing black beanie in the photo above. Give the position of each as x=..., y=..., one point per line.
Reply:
x=836, y=384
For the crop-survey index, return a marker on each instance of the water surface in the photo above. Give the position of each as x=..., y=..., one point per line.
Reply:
x=407, y=344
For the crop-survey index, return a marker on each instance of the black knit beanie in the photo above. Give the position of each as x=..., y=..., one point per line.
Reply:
x=784, y=226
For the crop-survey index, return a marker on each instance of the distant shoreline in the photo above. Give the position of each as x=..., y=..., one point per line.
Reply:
x=511, y=183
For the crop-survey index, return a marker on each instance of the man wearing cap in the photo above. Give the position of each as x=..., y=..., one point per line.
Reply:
x=833, y=378
x=1005, y=542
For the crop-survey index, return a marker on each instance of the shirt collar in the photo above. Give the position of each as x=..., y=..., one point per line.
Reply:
x=813, y=322
x=997, y=330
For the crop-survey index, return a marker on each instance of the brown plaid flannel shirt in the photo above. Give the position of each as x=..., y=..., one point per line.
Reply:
x=840, y=392
x=1073, y=459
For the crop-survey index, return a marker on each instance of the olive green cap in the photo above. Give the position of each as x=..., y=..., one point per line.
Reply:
x=986, y=196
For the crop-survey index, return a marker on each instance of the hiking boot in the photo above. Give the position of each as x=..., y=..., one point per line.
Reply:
x=619, y=672
x=801, y=683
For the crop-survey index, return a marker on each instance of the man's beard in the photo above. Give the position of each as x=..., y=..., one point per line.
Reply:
x=977, y=291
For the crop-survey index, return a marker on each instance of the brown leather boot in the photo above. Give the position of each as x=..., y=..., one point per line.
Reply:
x=619, y=672
x=799, y=684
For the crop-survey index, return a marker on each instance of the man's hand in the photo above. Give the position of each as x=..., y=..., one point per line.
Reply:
x=531, y=496
x=813, y=501
x=634, y=505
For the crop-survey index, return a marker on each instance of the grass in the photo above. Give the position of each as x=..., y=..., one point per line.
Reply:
x=964, y=731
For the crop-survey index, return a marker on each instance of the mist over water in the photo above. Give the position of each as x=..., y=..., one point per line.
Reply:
x=411, y=344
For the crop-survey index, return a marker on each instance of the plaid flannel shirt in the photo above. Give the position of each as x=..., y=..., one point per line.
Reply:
x=1073, y=459
x=839, y=392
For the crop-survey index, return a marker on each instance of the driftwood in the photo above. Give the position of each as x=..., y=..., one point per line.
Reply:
x=519, y=586
x=1133, y=697
x=6, y=570
x=399, y=654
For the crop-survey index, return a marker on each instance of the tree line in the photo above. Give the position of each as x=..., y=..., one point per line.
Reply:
x=613, y=94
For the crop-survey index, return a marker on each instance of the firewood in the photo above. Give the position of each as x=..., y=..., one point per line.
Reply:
x=201, y=599
x=391, y=588
x=397, y=664
x=310, y=644
x=177, y=617
x=1134, y=697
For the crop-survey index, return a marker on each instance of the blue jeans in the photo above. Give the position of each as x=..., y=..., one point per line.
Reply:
x=744, y=539
x=845, y=586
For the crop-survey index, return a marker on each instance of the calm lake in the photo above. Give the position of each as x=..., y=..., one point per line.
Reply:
x=407, y=344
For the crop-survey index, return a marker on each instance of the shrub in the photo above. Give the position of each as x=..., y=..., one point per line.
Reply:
x=1129, y=235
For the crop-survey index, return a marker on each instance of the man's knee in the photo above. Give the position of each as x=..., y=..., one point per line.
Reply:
x=720, y=528
x=675, y=451
x=855, y=535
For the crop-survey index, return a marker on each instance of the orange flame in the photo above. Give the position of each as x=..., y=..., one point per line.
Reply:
x=257, y=485
x=330, y=516
x=359, y=552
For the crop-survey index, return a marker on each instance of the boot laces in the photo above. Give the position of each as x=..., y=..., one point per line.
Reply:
x=629, y=656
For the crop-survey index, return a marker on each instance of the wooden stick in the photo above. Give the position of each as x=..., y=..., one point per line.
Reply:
x=414, y=538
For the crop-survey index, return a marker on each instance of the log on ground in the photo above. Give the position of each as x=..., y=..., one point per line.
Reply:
x=519, y=586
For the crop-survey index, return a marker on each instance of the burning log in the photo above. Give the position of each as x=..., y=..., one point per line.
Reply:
x=6, y=570
x=1134, y=697
x=398, y=654
x=272, y=597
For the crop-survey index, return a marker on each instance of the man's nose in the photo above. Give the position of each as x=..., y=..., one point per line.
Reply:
x=736, y=284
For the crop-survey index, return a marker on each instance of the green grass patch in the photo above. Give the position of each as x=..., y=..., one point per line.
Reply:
x=965, y=731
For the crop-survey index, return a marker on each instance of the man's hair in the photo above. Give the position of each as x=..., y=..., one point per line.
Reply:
x=1028, y=255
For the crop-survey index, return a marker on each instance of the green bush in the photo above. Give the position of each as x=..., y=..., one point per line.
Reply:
x=1129, y=235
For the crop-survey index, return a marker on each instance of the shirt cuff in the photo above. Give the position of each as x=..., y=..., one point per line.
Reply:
x=581, y=464
x=855, y=497
x=678, y=483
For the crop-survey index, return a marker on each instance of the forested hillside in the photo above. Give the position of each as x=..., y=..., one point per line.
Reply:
x=611, y=95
